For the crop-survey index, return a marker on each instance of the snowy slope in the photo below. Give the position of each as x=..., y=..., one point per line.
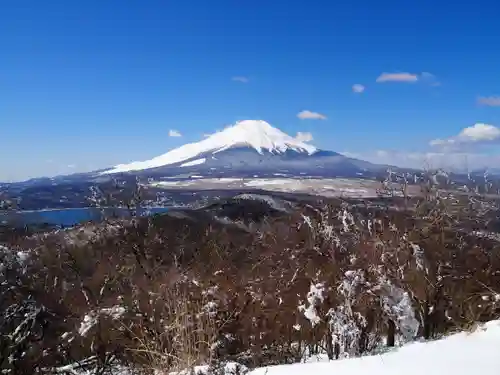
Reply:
x=459, y=354
x=257, y=135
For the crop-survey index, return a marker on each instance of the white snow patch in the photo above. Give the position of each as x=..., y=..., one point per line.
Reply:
x=265, y=182
x=397, y=304
x=314, y=298
x=194, y=162
x=230, y=368
x=196, y=179
x=418, y=253
x=346, y=218
x=92, y=318
x=89, y=321
x=23, y=256
x=114, y=312
x=210, y=308
x=345, y=323
x=172, y=183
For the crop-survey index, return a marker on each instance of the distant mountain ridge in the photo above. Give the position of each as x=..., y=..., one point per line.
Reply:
x=250, y=147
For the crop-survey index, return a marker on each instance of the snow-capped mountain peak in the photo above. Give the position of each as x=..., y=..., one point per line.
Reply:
x=256, y=134
x=259, y=135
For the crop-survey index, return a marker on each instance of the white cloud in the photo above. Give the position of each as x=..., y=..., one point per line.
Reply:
x=405, y=77
x=71, y=166
x=304, y=136
x=491, y=101
x=397, y=77
x=241, y=79
x=477, y=133
x=358, y=88
x=174, y=133
x=308, y=115
x=480, y=132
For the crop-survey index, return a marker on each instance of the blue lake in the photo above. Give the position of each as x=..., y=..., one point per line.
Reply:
x=72, y=216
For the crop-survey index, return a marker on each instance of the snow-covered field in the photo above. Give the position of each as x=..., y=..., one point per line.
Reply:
x=463, y=353
x=317, y=186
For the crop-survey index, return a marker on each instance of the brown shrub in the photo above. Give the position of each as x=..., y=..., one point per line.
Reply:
x=332, y=278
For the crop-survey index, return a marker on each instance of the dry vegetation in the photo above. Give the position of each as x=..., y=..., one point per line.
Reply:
x=168, y=293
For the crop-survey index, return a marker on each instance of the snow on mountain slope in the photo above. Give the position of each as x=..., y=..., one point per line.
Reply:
x=258, y=135
x=463, y=353
x=194, y=162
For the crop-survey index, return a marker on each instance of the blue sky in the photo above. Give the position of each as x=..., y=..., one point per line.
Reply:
x=89, y=84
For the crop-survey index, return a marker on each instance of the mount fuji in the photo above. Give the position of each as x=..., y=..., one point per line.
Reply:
x=249, y=148
x=239, y=158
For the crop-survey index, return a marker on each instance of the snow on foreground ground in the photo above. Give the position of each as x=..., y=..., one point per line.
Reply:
x=460, y=354
x=319, y=186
